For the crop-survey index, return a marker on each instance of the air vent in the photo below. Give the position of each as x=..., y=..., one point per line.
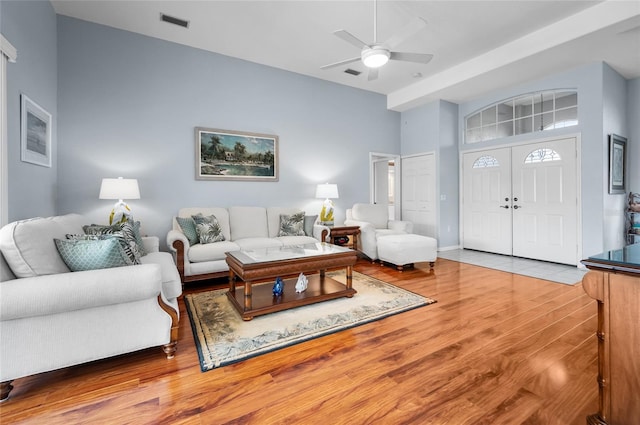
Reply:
x=352, y=72
x=173, y=20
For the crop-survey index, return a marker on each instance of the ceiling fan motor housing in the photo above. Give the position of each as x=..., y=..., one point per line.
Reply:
x=375, y=56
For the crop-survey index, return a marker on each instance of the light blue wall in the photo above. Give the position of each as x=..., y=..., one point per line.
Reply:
x=633, y=140
x=30, y=26
x=614, y=121
x=588, y=80
x=433, y=128
x=128, y=107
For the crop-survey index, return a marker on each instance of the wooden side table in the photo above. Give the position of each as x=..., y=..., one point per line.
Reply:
x=342, y=231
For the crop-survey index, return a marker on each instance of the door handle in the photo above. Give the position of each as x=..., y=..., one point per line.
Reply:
x=505, y=206
x=515, y=207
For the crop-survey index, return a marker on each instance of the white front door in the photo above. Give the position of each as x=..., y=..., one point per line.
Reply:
x=523, y=201
x=418, y=193
x=487, y=201
x=545, y=201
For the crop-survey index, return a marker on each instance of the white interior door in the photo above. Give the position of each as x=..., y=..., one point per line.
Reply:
x=487, y=224
x=545, y=201
x=418, y=193
x=381, y=182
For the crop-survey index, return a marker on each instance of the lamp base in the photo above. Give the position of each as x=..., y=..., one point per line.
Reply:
x=120, y=213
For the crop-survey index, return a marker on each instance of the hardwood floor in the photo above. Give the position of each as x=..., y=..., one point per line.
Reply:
x=496, y=348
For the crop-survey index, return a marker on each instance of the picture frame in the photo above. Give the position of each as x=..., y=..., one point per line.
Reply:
x=617, y=164
x=235, y=155
x=35, y=133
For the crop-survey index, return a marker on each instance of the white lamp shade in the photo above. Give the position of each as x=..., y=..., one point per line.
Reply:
x=119, y=189
x=328, y=191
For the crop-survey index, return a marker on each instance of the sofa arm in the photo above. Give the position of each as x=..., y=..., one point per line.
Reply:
x=402, y=226
x=151, y=243
x=63, y=292
x=178, y=245
x=318, y=229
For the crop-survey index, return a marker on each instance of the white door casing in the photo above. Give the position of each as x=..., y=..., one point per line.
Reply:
x=419, y=193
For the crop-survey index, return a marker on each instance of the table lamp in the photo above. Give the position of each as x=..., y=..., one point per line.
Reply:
x=327, y=191
x=119, y=189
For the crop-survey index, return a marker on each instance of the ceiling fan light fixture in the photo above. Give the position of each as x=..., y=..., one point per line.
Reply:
x=375, y=57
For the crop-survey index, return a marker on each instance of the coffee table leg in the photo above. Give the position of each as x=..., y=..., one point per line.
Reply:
x=349, y=279
x=232, y=282
x=247, y=296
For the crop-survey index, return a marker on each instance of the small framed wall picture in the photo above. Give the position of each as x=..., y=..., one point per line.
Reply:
x=617, y=164
x=35, y=133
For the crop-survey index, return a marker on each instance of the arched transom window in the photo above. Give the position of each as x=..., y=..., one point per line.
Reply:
x=542, y=155
x=545, y=110
x=486, y=161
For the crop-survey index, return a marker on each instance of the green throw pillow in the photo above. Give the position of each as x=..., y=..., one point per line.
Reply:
x=125, y=234
x=92, y=254
x=309, y=221
x=291, y=225
x=208, y=228
x=188, y=227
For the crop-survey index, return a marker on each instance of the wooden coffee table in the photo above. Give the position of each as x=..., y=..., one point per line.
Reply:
x=254, y=267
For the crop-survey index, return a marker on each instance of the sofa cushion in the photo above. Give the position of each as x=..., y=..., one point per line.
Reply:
x=376, y=214
x=208, y=228
x=273, y=218
x=309, y=222
x=188, y=227
x=291, y=225
x=209, y=252
x=221, y=214
x=296, y=240
x=125, y=234
x=258, y=243
x=92, y=253
x=28, y=245
x=248, y=222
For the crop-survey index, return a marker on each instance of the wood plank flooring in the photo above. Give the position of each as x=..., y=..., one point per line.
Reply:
x=496, y=348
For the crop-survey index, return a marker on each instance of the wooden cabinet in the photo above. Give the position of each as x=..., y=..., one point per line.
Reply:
x=616, y=287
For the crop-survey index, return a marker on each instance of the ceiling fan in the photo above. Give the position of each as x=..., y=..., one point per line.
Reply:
x=375, y=55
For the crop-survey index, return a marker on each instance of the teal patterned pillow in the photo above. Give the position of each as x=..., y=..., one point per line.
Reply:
x=137, y=236
x=125, y=234
x=188, y=227
x=309, y=221
x=208, y=228
x=92, y=254
x=292, y=225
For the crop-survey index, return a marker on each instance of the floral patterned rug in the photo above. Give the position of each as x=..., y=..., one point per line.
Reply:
x=222, y=337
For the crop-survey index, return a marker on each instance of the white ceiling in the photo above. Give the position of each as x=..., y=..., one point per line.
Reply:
x=478, y=46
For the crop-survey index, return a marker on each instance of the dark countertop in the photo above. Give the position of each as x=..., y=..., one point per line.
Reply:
x=626, y=259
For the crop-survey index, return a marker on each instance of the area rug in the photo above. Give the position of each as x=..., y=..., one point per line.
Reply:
x=222, y=337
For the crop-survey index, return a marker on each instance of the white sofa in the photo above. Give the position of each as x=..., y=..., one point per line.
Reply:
x=374, y=222
x=243, y=227
x=52, y=318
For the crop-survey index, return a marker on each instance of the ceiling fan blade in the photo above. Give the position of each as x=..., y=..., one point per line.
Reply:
x=412, y=27
x=350, y=38
x=344, y=62
x=373, y=74
x=411, y=57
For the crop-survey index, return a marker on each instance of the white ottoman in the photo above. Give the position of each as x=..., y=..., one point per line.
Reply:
x=406, y=249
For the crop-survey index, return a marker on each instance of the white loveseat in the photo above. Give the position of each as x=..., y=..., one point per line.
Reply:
x=243, y=228
x=52, y=318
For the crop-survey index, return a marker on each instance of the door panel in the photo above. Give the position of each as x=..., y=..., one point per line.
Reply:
x=544, y=224
x=418, y=193
x=487, y=183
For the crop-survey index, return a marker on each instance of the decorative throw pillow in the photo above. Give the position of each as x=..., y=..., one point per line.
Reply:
x=137, y=236
x=309, y=221
x=125, y=234
x=188, y=227
x=208, y=228
x=92, y=254
x=291, y=225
